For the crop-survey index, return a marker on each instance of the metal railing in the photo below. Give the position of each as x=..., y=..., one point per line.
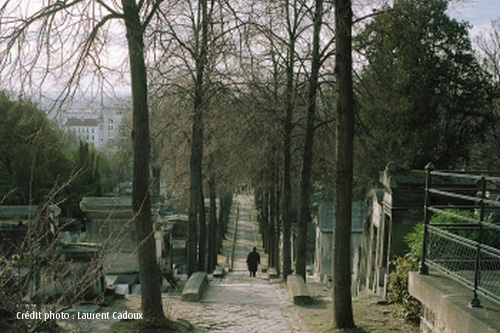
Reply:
x=467, y=246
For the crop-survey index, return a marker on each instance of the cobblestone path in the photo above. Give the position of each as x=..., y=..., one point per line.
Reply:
x=238, y=302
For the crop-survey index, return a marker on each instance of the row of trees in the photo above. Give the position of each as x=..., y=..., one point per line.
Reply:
x=243, y=92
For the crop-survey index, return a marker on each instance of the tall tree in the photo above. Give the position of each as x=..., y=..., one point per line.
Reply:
x=152, y=305
x=287, y=137
x=197, y=38
x=196, y=252
x=341, y=266
x=87, y=160
x=422, y=94
x=274, y=85
x=54, y=23
x=307, y=161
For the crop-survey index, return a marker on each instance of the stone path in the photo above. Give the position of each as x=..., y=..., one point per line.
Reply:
x=238, y=302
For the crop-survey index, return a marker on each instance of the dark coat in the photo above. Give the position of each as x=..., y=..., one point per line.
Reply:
x=253, y=260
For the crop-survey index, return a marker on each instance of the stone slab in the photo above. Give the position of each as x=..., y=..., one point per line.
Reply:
x=122, y=289
x=219, y=272
x=297, y=289
x=272, y=273
x=194, y=287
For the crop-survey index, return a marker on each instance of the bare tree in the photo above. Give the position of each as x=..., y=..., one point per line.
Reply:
x=341, y=267
x=293, y=21
x=80, y=25
x=285, y=33
x=152, y=306
x=485, y=154
x=307, y=161
x=489, y=47
x=195, y=54
x=279, y=31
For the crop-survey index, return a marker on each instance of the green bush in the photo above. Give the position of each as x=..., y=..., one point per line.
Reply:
x=414, y=241
x=397, y=288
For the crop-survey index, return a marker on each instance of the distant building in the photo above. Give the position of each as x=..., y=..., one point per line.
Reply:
x=96, y=129
x=110, y=124
x=85, y=129
x=94, y=120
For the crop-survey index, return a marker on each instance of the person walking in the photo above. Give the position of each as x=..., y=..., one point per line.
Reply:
x=253, y=261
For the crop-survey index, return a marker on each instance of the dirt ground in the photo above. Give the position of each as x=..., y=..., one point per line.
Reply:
x=371, y=313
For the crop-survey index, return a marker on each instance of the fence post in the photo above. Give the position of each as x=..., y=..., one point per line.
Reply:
x=475, y=303
x=424, y=269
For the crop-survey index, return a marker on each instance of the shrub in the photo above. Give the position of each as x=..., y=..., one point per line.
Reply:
x=397, y=288
x=414, y=241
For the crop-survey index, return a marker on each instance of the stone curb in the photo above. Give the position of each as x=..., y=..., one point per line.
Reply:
x=194, y=287
x=297, y=289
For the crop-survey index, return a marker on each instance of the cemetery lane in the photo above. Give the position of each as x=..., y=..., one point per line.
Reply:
x=238, y=302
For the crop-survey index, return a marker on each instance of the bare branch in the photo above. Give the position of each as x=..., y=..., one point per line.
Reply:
x=152, y=12
x=109, y=9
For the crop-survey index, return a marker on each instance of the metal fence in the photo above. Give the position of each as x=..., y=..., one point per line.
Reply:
x=464, y=242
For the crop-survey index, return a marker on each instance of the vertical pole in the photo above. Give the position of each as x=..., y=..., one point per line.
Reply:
x=424, y=269
x=475, y=303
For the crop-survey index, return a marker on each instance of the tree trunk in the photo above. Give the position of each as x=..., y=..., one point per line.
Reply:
x=273, y=262
x=341, y=266
x=287, y=154
x=305, y=180
x=222, y=226
x=152, y=307
x=212, y=229
x=225, y=209
x=194, y=164
x=265, y=220
x=287, y=219
x=195, y=189
x=155, y=182
x=277, y=211
x=202, y=241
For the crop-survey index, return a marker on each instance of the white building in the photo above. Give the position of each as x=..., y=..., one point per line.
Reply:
x=85, y=129
x=98, y=127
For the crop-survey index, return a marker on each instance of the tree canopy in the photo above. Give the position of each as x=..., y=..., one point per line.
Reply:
x=32, y=159
x=36, y=157
x=422, y=95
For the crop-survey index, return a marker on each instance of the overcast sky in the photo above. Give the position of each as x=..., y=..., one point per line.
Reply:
x=479, y=13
